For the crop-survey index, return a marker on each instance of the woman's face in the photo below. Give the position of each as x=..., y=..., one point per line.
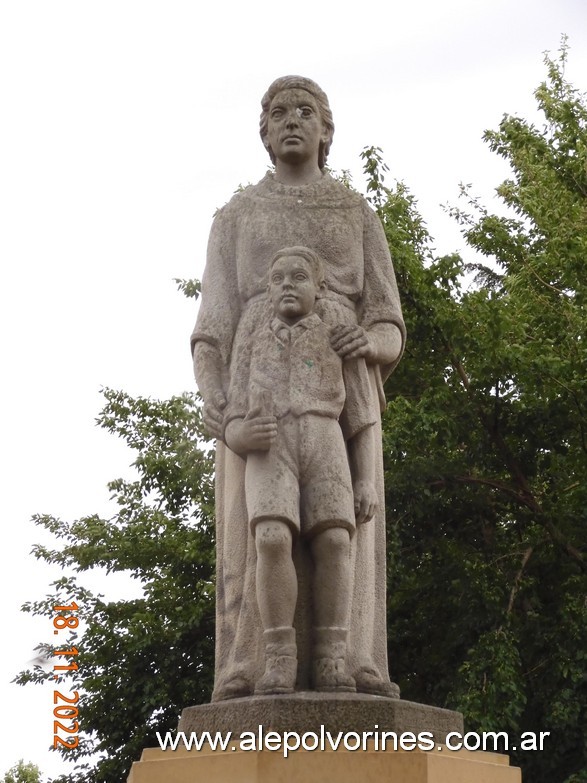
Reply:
x=295, y=129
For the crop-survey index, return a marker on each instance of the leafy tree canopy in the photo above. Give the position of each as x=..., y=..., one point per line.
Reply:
x=485, y=441
x=140, y=661
x=22, y=773
x=486, y=446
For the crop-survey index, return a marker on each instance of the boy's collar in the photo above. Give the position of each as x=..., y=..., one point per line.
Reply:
x=307, y=322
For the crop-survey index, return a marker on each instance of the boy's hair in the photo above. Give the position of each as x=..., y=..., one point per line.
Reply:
x=308, y=255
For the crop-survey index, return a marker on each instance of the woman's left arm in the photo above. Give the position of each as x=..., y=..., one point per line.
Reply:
x=380, y=312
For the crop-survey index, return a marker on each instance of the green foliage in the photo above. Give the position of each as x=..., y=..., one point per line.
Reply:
x=22, y=773
x=485, y=445
x=140, y=661
x=189, y=288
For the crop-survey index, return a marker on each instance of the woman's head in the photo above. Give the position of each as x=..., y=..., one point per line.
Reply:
x=299, y=83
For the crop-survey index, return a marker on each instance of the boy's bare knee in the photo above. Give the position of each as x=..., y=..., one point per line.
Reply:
x=331, y=544
x=273, y=538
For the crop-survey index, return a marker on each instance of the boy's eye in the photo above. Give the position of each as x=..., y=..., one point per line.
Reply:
x=277, y=279
x=301, y=276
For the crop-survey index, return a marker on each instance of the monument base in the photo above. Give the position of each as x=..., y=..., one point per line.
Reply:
x=309, y=711
x=325, y=719
x=370, y=766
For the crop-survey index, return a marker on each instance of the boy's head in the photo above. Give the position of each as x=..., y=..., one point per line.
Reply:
x=296, y=277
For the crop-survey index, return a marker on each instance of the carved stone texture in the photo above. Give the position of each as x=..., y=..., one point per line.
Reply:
x=299, y=326
x=311, y=711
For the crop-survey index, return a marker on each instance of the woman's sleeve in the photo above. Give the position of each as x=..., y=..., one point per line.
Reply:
x=380, y=308
x=220, y=304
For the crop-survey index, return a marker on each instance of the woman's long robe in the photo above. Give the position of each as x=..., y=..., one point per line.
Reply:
x=345, y=232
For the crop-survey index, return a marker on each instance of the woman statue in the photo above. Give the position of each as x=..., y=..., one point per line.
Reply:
x=297, y=205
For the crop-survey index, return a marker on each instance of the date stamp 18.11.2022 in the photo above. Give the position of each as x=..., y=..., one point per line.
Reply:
x=65, y=714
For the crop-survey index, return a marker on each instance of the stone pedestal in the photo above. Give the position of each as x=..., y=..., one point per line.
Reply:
x=342, y=766
x=308, y=711
x=318, y=713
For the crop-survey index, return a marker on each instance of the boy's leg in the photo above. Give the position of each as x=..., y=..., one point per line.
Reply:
x=332, y=596
x=277, y=592
x=277, y=582
x=331, y=550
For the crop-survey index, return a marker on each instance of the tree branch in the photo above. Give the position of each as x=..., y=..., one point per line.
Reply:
x=559, y=539
x=516, y=584
x=493, y=483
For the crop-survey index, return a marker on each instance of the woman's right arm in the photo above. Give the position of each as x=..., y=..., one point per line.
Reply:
x=217, y=321
x=208, y=373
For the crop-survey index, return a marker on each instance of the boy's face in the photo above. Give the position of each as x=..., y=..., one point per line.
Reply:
x=292, y=288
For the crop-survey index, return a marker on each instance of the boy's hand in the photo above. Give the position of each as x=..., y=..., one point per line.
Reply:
x=253, y=433
x=258, y=431
x=366, y=500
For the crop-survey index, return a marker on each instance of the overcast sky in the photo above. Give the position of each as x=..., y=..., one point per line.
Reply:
x=124, y=125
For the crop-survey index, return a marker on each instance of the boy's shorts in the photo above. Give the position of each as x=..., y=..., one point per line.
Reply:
x=304, y=479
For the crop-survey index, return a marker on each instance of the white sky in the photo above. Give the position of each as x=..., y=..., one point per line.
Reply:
x=124, y=124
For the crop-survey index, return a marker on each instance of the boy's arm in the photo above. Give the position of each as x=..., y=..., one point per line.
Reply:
x=361, y=457
x=247, y=427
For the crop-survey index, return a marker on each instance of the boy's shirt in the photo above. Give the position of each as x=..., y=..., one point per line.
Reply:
x=298, y=371
x=296, y=368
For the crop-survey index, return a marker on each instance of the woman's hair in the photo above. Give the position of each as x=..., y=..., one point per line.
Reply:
x=300, y=83
x=308, y=255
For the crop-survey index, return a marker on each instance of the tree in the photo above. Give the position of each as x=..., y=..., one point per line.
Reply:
x=485, y=447
x=140, y=661
x=23, y=773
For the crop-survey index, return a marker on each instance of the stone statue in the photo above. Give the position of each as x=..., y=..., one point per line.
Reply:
x=286, y=395
x=301, y=570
